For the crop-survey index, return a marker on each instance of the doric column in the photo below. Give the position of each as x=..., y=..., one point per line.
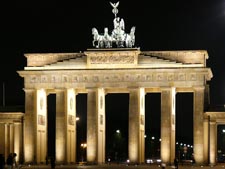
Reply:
x=91, y=127
x=101, y=124
x=168, y=118
x=18, y=140
x=206, y=139
x=213, y=143
x=35, y=125
x=60, y=146
x=96, y=126
x=29, y=126
x=41, y=125
x=198, y=125
x=6, y=140
x=65, y=126
x=70, y=111
x=11, y=138
x=137, y=125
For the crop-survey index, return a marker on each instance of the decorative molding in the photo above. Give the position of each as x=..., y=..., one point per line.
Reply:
x=101, y=119
x=41, y=103
x=71, y=103
x=116, y=77
x=71, y=120
x=116, y=58
x=101, y=102
x=112, y=59
x=41, y=120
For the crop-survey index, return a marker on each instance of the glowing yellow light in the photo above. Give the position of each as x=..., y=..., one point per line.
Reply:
x=83, y=145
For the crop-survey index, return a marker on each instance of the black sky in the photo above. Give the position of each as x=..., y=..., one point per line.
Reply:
x=39, y=27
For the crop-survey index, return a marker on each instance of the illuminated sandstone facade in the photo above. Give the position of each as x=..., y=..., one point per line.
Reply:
x=11, y=132
x=98, y=72
x=211, y=121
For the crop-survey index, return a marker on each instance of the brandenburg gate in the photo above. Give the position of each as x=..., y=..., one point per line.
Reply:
x=98, y=72
x=114, y=65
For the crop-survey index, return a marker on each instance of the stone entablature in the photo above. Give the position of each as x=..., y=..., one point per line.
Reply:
x=11, y=117
x=125, y=77
x=218, y=117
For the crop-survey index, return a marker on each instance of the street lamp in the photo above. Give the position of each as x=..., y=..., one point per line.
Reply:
x=83, y=147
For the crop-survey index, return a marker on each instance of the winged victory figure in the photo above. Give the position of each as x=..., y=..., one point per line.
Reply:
x=115, y=5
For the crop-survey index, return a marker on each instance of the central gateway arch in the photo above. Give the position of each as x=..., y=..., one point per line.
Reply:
x=115, y=70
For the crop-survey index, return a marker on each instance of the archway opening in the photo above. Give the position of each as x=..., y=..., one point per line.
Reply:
x=81, y=127
x=184, y=126
x=152, y=126
x=51, y=127
x=117, y=108
x=220, y=143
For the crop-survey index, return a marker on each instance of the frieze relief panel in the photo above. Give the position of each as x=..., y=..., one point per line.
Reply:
x=114, y=59
x=54, y=79
x=71, y=120
x=159, y=77
x=65, y=78
x=193, y=77
x=44, y=79
x=170, y=77
x=41, y=120
x=128, y=77
x=181, y=76
x=75, y=79
x=34, y=79
x=149, y=77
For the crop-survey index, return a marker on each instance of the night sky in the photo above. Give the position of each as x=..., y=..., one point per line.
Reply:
x=40, y=27
x=36, y=27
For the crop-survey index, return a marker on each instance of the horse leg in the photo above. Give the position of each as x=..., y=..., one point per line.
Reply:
x=93, y=42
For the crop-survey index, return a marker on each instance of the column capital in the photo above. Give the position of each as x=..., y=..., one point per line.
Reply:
x=132, y=88
x=135, y=88
x=206, y=117
x=199, y=88
x=212, y=122
x=60, y=90
x=91, y=89
x=95, y=89
x=29, y=90
x=167, y=88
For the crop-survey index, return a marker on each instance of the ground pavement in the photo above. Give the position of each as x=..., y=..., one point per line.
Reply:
x=119, y=166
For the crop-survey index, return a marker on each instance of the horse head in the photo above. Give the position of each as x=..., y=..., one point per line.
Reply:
x=132, y=31
x=95, y=35
x=130, y=38
x=94, y=31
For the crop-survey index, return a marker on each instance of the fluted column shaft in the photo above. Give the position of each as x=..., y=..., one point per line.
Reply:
x=198, y=125
x=213, y=143
x=168, y=124
x=96, y=126
x=137, y=125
